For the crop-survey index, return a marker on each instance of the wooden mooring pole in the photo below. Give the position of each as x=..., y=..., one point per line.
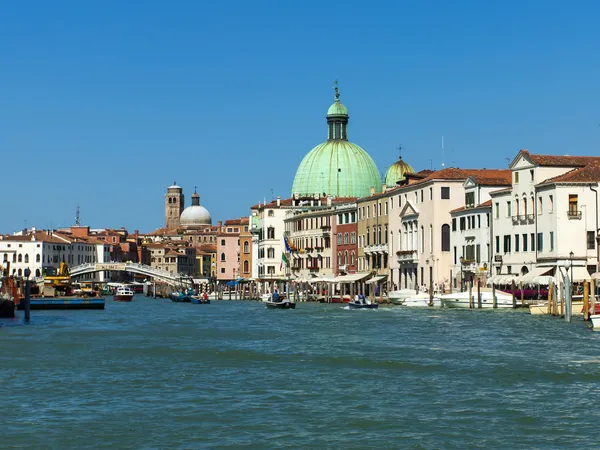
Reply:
x=512, y=291
x=586, y=300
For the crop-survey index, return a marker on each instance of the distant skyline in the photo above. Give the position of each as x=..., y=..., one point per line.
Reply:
x=105, y=104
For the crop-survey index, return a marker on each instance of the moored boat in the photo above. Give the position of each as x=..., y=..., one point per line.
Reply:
x=461, y=300
x=357, y=304
x=123, y=294
x=595, y=318
x=421, y=301
x=397, y=297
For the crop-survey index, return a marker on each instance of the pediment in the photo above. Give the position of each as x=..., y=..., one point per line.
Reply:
x=409, y=210
x=469, y=183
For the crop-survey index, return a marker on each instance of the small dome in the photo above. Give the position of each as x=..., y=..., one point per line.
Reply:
x=396, y=172
x=337, y=109
x=195, y=215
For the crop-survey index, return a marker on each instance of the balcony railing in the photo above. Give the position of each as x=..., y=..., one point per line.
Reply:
x=515, y=220
x=406, y=256
x=572, y=214
x=530, y=218
x=382, y=248
x=325, y=227
x=314, y=268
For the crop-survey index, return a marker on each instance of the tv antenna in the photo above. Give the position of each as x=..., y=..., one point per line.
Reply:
x=77, y=219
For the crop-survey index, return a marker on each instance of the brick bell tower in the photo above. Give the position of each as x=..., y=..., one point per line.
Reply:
x=174, y=203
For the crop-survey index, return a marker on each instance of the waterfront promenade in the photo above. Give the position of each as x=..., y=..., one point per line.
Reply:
x=158, y=374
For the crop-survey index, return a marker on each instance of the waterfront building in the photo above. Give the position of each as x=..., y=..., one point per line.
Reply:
x=44, y=251
x=471, y=224
x=228, y=249
x=547, y=218
x=373, y=235
x=245, y=269
x=345, y=241
x=419, y=223
x=337, y=167
x=267, y=229
x=176, y=257
x=206, y=260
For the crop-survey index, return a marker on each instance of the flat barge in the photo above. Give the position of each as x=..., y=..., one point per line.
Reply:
x=64, y=303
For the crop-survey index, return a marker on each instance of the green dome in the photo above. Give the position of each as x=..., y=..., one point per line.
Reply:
x=318, y=172
x=396, y=172
x=337, y=109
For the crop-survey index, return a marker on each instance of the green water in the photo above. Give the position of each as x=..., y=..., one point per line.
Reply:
x=155, y=374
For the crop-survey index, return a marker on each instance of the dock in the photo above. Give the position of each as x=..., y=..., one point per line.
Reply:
x=65, y=303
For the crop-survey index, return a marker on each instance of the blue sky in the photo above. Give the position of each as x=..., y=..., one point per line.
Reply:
x=105, y=104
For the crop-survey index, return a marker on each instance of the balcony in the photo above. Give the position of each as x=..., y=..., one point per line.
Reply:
x=406, y=256
x=515, y=220
x=376, y=248
x=530, y=218
x=314, y=268
x=295, y=268
x=574, y=215
x=319, y=249
x=343, y=268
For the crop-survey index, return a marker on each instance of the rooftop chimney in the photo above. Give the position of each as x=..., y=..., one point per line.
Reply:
x=383, y=187
x=278, y=201
x=372, y=190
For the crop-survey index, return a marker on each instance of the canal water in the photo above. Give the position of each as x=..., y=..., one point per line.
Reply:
x=157, y=374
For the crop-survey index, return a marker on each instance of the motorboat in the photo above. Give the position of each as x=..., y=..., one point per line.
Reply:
x=180, y=297
x=365, y=304
x=461, y=299
x=538, y=309
x=595, y=318
x=281, y=305
x=123, y=294
x=422, y=300
x=398, y=297
x=199, y=300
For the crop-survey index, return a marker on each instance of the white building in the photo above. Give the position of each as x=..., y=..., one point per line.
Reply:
x=471, y=224
x=548, y=218
x=267, y=228
x=420, y=220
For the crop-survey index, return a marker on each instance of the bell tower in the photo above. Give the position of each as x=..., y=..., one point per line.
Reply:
x=173, y=205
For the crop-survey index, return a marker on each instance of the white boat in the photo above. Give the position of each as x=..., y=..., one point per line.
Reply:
x=398, y=297
x=123, y=294
x=421, y=300
x=461, y=299
x=540, y=308
x=595, y=318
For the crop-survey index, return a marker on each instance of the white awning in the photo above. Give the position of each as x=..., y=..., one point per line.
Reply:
x=375, y=279
x=351, y=278
x=534, y=273
x=595, y=276
x=323, y=280
x=580, y=273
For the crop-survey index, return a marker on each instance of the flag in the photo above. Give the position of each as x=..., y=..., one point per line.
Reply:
x=283, y=260
x=287, y=244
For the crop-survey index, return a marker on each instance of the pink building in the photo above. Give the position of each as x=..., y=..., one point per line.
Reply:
x=228, y=249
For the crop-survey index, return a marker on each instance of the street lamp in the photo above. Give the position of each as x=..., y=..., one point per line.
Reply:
x=571, y=254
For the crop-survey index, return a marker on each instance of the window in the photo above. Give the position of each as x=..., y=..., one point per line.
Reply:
x=430, y=193
x=462, y=224
x=455, y=255
x=222, y=269
x=478, y=253
x=222, y=257
x=445, y=193
x=246, y=267
x=524, y=242
x=497, y=244
x=540, y=242
x=386, y=208
x=532, y=236
x=516, y=242
x=540, y=206
x=497, y=210
x=422, y=239
x=271, y=233
x=379, y=209
x=270, y=252
x=26, y=258
x=340, y=237
x=506, y=243
x=516, y=177
x=271, y=213
x=222, y=241
x=591, y=240
x=508, y=209
x=551, y=204
x=421, y=195
x=445, y=237
x=454, y=224
x=20, y=258
x=552, y=241
x=345, y=238
x=531, y=174
x=573, y=204
x=246, y=247
x=470, y=199
x=478, y=221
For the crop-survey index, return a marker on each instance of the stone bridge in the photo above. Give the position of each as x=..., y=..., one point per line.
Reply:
x=157, y=274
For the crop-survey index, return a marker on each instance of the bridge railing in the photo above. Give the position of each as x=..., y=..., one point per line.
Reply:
x=140, y=268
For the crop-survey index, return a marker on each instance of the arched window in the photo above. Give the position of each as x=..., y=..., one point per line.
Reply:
x=19, y=272
x=339, y=258
x=445, y=237
x=246, y=265
x=517, y=212
x=37, y=273
x=524, y=206
x=422, y=239
x=20, y=258
x=346, y=257
x=246, y=247
x=222, y=256
x=26, y=257
x=352, y=258
x=37, y=258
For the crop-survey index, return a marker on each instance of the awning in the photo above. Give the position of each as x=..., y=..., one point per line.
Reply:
x=352, y=277
x=323, y=280
x=595, y=276
x=580, y=273
x=534, y=273
x=375, y=279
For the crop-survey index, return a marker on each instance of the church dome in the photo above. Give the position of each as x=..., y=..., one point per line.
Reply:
x=396, y=172
x=195, y=214
x=337, y=167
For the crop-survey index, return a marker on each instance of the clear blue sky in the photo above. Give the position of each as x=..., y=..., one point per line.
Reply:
x=104, y=104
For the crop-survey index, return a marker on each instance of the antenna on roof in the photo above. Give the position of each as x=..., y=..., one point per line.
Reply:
x=443, y=164
x=77, y=221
